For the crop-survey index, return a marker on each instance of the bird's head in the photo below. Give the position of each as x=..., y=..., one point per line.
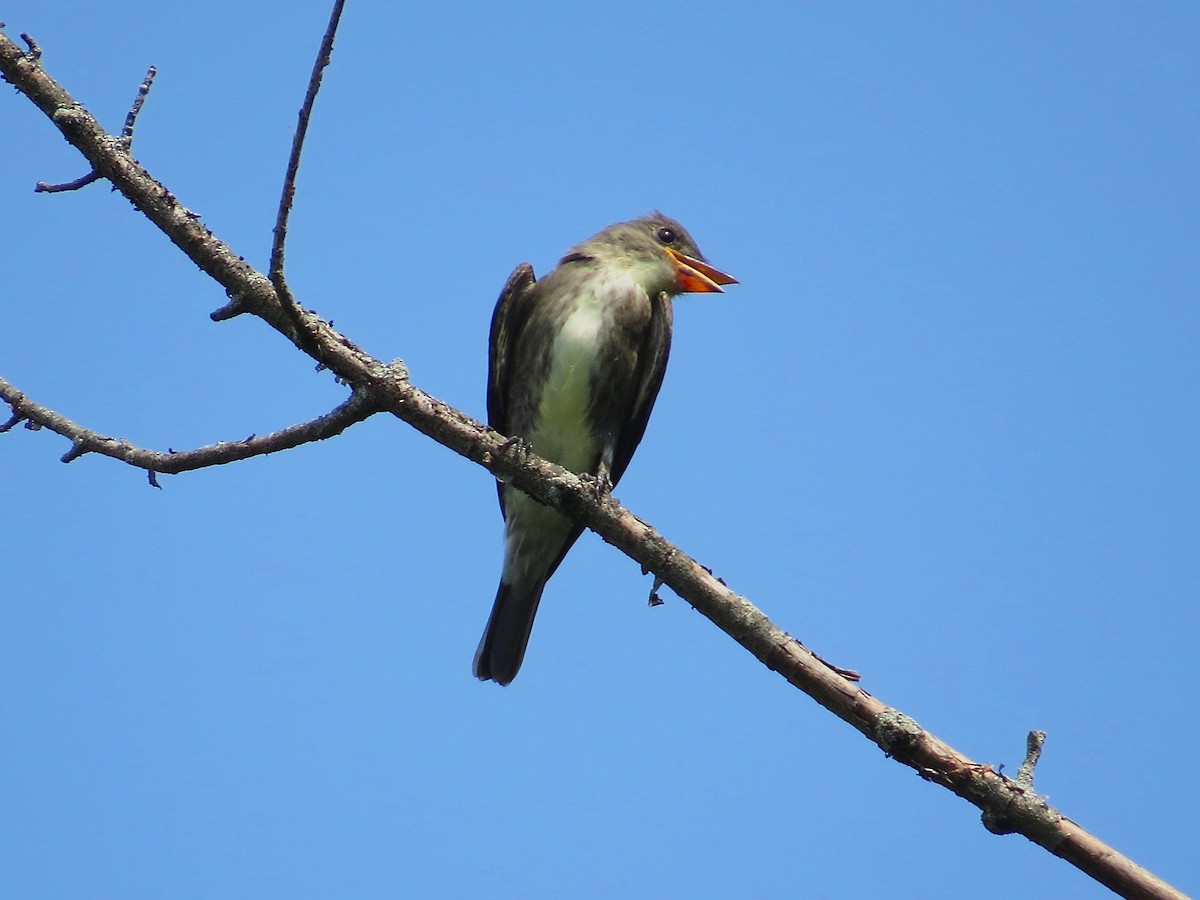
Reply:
x=658, y=252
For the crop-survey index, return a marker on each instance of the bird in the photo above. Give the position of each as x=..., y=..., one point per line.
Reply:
x=575, y=364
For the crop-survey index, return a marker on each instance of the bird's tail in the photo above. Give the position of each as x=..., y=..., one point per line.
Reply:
x=507, y=634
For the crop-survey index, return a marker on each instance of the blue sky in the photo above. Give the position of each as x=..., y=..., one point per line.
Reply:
x=945, y=432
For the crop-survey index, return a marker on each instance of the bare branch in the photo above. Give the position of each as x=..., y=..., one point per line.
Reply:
x=83, y=440
x=275, y=271
x=387, y=387
x=126, y=135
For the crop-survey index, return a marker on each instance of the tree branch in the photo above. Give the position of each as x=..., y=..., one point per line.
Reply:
x=83, y=440
x=275, y=270
x=387, y=387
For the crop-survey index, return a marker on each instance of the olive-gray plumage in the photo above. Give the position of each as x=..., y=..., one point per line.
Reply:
x=576, y=361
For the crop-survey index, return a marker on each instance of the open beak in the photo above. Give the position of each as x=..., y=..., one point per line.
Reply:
x=694, y=276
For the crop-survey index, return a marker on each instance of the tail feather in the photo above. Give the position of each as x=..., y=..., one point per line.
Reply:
x=502, y=647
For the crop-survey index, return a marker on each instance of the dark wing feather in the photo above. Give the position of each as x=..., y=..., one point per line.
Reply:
x=652, y=363
x=508, y=320
x=512, y=309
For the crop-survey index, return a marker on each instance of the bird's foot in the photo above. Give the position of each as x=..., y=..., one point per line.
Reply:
x=654, y=599
x=518, y=445
x=600, y=483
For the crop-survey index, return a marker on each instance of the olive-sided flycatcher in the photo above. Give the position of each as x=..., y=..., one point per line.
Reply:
x=575, y=364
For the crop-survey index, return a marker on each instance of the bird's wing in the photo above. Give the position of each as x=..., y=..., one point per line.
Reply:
x=652, y=363
x=512, y=310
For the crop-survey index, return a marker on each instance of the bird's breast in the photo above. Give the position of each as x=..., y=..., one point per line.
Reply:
x=563, y=432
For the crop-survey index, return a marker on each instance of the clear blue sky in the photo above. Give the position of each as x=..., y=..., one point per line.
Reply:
x=945, y=432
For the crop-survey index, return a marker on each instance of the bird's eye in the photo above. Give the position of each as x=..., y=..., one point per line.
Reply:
x=666, y=235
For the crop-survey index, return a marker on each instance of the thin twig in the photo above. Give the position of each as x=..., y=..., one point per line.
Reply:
x=35, y=52
x=275, y=271
x=125, y=140
x=13, y=420
x=1033, y=752
x=43, y=187
x=83, y=440
x=131, y=116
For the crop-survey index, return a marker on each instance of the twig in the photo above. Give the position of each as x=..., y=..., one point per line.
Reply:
x=1033, y=752
x=131, y=116
x=35, y=52
x=44, y=187
x=125, y=140
x=83, y=440
x=275, y=271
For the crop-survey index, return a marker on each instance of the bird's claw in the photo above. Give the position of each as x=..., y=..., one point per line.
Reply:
x=518, y=445
x=600, y=483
